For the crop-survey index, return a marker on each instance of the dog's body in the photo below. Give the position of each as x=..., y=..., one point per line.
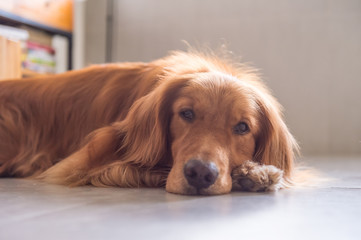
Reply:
x=45, y=120
x=147, y=124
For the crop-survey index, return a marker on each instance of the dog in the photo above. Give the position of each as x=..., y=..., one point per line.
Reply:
x=191, y=122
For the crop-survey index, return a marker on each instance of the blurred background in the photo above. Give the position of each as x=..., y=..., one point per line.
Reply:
x=309, y=52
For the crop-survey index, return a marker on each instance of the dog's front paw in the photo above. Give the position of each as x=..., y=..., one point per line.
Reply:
x=254, y=177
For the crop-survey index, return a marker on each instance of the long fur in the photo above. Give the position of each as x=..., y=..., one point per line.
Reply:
x=108, y=125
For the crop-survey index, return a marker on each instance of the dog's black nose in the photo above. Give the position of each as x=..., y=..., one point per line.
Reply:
x=200, y=174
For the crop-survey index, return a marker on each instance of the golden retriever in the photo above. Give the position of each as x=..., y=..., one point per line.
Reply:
x=192, y=122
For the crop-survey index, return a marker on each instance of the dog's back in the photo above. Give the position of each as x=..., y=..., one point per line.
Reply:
x=43, y=120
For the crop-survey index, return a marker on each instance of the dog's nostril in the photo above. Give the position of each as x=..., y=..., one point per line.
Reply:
x=191, y=173
x=209, y=178
x=200, y=174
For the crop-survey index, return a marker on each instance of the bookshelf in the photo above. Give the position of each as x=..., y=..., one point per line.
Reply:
x=53, y=19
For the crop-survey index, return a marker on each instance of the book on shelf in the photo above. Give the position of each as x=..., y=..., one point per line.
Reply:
x=39, y=58
x=40, y=52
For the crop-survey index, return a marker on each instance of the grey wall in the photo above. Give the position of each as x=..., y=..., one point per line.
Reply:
x=89, y=32
x=309, y=52
x=95, y=29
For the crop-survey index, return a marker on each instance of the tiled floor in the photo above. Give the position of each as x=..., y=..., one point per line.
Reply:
x=33, y=210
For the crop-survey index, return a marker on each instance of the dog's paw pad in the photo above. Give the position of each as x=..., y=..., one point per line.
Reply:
x=246, y=183
x=253, y=177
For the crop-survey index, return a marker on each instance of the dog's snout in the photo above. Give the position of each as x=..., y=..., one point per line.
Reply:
x=200, y=174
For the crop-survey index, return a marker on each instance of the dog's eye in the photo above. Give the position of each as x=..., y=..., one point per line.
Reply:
x=187, y=115
x=241, y=128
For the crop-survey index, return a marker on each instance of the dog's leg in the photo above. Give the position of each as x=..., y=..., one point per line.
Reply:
x=119, y=174
x=73, y=170
x=115, y=174
x=98, y=164
x=254, y=177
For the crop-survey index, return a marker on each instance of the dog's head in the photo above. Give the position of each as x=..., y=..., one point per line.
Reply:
x=205, y=122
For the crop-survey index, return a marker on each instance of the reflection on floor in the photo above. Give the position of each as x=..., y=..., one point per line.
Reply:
x=33, y=210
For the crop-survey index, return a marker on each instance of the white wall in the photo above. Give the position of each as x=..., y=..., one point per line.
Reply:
x=309, y=52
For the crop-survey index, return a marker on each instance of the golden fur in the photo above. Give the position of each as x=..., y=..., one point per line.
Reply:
x=119, y=124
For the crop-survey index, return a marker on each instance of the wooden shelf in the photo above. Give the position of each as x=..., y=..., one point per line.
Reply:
x=53, y=14
x=13, y=19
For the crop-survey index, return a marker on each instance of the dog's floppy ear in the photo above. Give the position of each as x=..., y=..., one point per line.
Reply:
x=275, y=145
x=145, y=128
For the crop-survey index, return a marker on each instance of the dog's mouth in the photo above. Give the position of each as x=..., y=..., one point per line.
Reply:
x=199, y=177
x=185, y=188
x=200, y=174
x=189, y=190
